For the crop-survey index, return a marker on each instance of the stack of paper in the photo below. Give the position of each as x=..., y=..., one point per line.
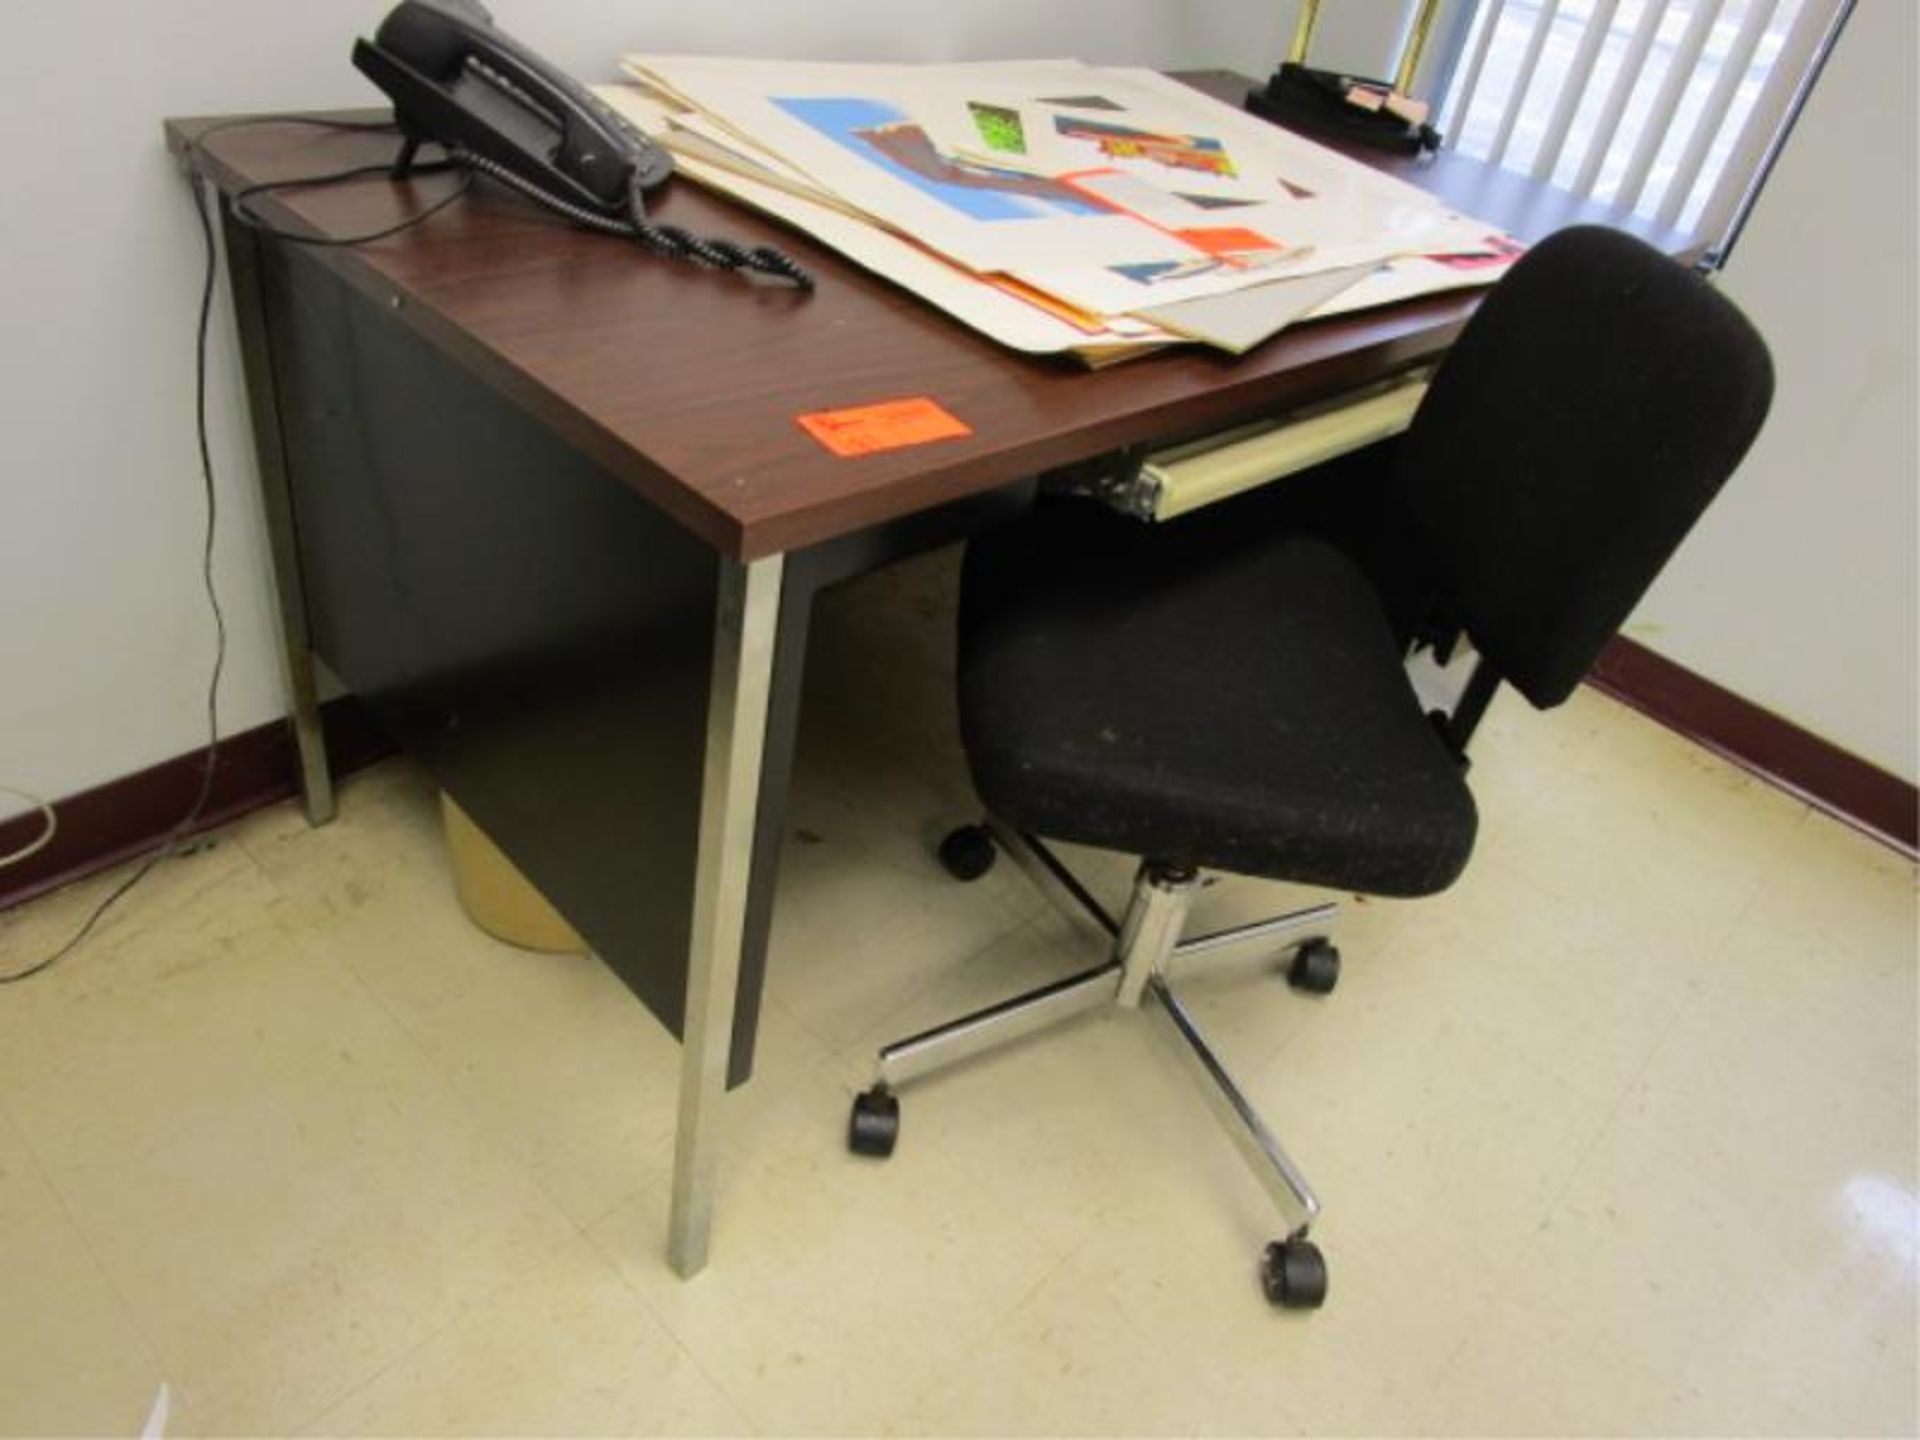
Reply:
x=1059, y=207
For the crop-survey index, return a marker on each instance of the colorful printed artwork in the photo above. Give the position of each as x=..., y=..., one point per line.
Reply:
x=1498, y=251
x=1123, y=142
x=889, y=138
x=999, y=127
x=1082, y=102
x=1221, y=249
x=1159, y=272
x=1215, y=202
x=1227, y=241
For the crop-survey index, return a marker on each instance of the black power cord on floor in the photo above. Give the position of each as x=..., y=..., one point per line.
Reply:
x=170, y=845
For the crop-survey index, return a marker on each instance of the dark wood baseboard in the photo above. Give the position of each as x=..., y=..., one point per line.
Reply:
x=1843, y=785
x=126, y=817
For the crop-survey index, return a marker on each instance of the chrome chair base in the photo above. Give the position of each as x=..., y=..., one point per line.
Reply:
x=1146, y=949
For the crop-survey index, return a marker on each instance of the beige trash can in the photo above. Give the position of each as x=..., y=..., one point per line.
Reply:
x=495, y=895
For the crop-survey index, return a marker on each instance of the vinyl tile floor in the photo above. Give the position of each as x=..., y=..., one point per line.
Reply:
x=1618, y=1136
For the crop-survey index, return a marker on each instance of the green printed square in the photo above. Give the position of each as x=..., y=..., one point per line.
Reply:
x=999, y=127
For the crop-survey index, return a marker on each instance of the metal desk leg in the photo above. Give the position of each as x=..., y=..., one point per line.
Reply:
x=263, y=406
x=743, y=649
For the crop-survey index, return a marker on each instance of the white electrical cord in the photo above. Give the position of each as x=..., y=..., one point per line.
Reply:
x=40, y=841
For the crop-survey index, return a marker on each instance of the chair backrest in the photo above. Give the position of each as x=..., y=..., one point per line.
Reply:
x=1593, y=406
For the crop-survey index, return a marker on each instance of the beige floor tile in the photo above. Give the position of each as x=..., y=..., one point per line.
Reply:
x=881, y=760
x=550, y=1054
x=1667, y=1300
x=1597, y=803
x=855, y=938
x=1524, y=1374
x=1398, y=1295
x=1848, y=894
x=1363, y=926
x=94, y=1071
x=1889, y=1393
x=1045, y=1127
x=1795, y=1066
x=1401, y=1096
x=72, y=1360
x=837, y=1287
x=1023, y=957
x=1099, y=1133
x=272, y=1176
x=1069, y=1360
x=566, y=1349
x=1554, y=979
x=1616, y=1137
x=1156, y=1324
x=201, y=888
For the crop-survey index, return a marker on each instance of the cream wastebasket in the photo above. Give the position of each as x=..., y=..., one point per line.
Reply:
x=495, y=895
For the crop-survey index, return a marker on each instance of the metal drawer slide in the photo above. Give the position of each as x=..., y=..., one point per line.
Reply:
x=1181, y=478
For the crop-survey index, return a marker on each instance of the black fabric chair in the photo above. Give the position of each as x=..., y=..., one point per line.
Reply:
x=1230, y=691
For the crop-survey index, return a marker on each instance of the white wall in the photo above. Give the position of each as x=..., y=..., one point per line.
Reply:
x=1798, y=590
x=105, y=644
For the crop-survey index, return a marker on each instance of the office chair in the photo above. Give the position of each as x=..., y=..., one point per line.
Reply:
x=1232, y=694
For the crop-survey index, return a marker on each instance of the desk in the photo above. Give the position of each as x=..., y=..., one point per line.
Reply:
x=540, y=500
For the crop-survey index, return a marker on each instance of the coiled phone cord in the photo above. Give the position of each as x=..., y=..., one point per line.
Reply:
x=668, y=240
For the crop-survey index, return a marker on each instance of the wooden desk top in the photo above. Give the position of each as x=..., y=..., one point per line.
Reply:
x=685, y=383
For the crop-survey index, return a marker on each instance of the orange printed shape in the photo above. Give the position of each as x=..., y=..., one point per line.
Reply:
x=891, y=425
x=1226, y=239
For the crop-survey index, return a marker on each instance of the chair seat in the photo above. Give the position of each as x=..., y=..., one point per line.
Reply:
x=1206, y=699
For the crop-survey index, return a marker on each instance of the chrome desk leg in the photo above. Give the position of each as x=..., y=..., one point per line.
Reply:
x=263, y=408
x=747, y=618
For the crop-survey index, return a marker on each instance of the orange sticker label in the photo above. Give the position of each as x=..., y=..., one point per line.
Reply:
x=868, y=429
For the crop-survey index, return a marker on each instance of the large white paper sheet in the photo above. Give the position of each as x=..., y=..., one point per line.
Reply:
x=1236, y=228
x=998, y=312
x=1125, y=169
x=1411, y=276
x=857, y=138
x=1237, y=322
x=1013, y=322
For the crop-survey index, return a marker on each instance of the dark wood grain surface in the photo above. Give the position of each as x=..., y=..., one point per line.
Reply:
x=686, y=383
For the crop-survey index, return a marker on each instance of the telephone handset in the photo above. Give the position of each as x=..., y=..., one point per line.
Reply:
x=457, y=80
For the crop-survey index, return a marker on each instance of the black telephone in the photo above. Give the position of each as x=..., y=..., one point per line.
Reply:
x=457, y=80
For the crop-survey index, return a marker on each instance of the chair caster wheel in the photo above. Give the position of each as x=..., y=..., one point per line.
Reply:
x=969, y=852
x=1294, y=1274
x=1316, y=967
x=874, y=1124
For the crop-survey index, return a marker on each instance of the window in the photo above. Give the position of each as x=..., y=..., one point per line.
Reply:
x=1672, y=108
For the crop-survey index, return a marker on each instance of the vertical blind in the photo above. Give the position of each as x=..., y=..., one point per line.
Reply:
x=1671, y=108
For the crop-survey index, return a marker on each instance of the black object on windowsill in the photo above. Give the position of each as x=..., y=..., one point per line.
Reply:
x=1318, y=102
